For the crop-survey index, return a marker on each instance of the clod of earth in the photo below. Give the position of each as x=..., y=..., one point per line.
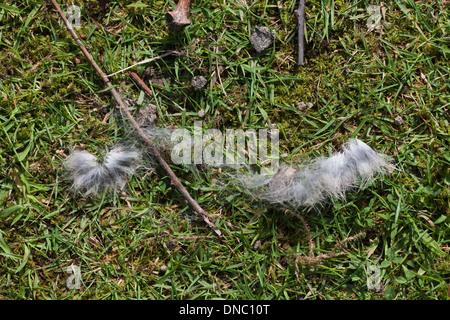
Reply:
x=198, y=83
x=261, y=38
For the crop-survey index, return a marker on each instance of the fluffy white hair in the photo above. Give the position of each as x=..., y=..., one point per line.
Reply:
x=321, y=179
x=90, y=176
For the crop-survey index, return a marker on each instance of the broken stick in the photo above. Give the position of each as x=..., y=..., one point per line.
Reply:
x=301, y=31
x=178, y=18
x=121, y=105
x=141, y=84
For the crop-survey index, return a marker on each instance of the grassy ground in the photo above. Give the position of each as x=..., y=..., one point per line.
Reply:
x=388, y=87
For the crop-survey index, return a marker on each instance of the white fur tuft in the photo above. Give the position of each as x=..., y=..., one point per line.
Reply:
x=321, y=179
x=92, y=177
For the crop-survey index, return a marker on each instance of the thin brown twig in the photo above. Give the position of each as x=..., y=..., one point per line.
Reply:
x=314, y=260
x=307, y=230
x=121, y=105
x=141, y=84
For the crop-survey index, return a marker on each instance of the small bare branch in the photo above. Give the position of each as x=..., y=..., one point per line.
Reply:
x=121, y=105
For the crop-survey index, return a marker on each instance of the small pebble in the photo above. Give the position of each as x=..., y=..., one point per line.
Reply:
x=201, y=113
x=398, y=120
x=303, y=106
x=198, y=83
x=261, y=38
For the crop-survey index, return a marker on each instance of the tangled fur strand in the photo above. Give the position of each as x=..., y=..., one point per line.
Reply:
x=321, y=179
